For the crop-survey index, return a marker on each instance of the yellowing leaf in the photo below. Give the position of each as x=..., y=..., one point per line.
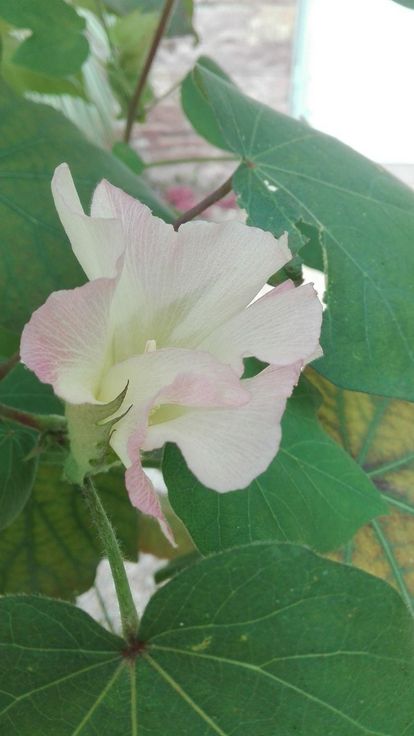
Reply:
x=379, y=433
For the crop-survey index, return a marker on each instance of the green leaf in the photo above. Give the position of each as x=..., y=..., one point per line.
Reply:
x=90, y=427
x=378, y=433
x=34, y=140
x=23, y=79
x=17, y=470
x=292, y=174
x=9, y=344
x=406, y=3
x=194, y=104
x=176, y=565
x=52, y=547
x=266, y=640
x=312, y=492
x=57, y=45
x=20, y=389
x=180, y=23
x=132, y=35
x=128, y=156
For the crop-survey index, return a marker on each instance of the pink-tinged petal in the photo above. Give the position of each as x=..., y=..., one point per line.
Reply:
x=280, y=328
x=227, y=448
x=140, y=489
x=97, y=242
x=162, y=382
x=174, y=375
x=66, y=341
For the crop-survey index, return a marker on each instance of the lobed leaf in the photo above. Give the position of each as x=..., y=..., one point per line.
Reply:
x=291, y=176
x=267, y=640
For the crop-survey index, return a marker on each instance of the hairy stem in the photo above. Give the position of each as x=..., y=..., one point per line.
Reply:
x=133, y=106
x=111, y=548
x=215, y=196
x=40, y=422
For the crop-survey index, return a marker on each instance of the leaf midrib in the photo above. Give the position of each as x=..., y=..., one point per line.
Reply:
x=331, y=185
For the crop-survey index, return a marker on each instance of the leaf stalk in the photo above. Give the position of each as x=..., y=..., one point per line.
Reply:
x=40, y=422
x=215, y=196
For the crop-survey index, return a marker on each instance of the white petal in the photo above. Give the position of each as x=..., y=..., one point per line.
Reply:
x=224, y=266
x=280, y=328
x=177, y=287
x=227, y=448
x=96, y=242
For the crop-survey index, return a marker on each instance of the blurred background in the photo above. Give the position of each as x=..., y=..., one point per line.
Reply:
x=344, y=67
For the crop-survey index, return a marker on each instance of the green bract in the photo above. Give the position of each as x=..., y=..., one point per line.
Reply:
x=90, y=427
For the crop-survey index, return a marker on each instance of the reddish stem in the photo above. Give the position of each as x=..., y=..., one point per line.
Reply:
x=215, y=196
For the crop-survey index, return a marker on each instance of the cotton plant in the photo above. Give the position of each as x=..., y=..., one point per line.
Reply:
x=135, y=339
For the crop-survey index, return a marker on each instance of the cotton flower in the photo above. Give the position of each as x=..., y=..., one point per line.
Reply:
x=170, y=315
